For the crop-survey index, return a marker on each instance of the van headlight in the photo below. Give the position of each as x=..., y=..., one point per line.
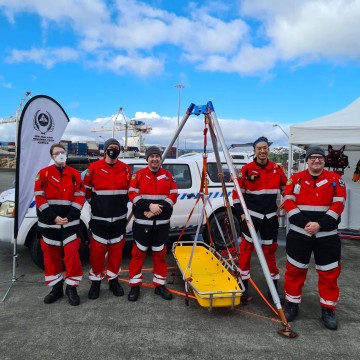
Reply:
x=7, y=209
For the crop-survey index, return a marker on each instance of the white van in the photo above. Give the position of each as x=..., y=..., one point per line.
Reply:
x=187, y=172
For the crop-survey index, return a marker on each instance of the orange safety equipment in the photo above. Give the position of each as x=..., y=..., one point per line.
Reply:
x=59, y=192
x=319, y=199
x=107, y=192
x=147, y=187
x=260, y=186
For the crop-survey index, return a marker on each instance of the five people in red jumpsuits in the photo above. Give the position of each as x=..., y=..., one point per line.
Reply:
x=314, y=200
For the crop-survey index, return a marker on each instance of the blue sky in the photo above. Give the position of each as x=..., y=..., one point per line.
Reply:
x=260, y=62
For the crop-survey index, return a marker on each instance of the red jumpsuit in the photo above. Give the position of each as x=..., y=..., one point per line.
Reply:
x=260, y=186
x=107, y=192
x=60, y=193
x=320, y=199
x=158, y=188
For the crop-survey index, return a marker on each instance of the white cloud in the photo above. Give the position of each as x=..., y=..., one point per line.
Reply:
x=306, y=30
x=163, y=130
x=145, y=115
x=248, y=61
x=46, y=57
x=131, y=36
x=119, y=64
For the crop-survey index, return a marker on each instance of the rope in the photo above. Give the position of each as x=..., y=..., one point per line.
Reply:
x=263, y=297
x=151, y=286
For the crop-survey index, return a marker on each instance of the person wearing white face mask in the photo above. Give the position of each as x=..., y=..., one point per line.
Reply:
x=59, y=196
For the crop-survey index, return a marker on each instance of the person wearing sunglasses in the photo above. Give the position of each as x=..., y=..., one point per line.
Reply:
x=314, y=200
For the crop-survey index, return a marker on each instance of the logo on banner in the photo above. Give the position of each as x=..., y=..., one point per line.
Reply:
x=43, y=123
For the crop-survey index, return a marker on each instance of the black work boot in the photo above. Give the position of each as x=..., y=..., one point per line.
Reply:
x=291, y=310
x=116, y=288
x=329, y=318
x=94, y=291
x=56, y=293
x=163, y=292
x=134, y=293
x=281, y=296
x=246, y=297
x=72, y=295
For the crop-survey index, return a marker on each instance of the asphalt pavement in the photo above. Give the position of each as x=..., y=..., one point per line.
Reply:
x=153, y=328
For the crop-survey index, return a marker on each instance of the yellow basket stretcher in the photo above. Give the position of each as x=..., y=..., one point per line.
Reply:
x=211, y=279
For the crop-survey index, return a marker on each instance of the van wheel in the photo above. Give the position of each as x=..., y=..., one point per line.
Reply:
x=224, y=223
x=35, y=250
x=38, y=257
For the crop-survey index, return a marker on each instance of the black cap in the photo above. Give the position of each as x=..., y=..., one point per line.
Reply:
x=261, y=139
x=314, y=149
x=152, y=150
x=109, y=142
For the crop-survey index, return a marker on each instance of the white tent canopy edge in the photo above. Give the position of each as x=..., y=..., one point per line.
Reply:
x=336, y=129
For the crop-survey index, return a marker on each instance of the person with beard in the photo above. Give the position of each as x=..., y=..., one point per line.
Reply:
x=314, y=200
x=59, y=197
x=107, y=182
x=153, y=192
x=261, y=181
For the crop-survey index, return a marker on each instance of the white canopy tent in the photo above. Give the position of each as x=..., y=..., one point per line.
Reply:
x=337, y=129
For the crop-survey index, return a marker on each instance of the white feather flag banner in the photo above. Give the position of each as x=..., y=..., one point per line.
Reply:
x=42, y=124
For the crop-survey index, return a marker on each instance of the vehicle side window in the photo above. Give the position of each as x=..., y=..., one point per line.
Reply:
x=79, y=163
x=135, y=167
x=213, y=171
x=181, y=173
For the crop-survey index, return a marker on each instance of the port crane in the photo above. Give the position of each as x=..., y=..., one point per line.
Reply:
x=16, y=118
x=137, y=128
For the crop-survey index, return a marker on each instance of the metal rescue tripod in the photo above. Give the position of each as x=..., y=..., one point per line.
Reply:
x=228, y=296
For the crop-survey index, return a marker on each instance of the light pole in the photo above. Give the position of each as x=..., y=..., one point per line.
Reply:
x=286, y=134
x=179, y=87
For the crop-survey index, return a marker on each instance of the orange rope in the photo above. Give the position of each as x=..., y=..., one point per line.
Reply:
x=263, y=297
x=180, y=293
x=259, y=316
x=150, y=269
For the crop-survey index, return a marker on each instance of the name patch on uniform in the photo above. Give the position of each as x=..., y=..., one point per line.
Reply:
x=55, y=179
x=321, y=183
x=341, y=182
x=104, y=171
x=161, y=177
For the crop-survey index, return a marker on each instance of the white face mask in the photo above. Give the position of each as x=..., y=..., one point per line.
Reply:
x=60, y=158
